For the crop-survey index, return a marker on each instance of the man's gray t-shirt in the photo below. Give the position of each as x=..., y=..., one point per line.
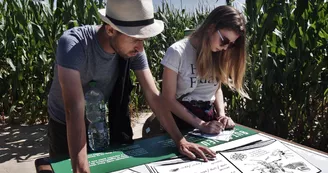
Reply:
x=79, y=49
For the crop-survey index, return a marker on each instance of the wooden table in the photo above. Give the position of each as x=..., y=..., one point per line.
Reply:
x=316, y=157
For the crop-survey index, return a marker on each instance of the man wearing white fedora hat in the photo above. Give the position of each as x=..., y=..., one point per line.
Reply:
x=105, y=54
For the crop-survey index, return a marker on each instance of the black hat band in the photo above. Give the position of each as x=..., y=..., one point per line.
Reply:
x=131, y=23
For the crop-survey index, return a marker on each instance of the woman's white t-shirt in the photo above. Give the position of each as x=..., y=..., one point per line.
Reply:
x=181, y=58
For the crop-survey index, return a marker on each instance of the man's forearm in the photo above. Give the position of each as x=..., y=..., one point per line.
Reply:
x=167, y=121
x=165, y=118
x=74, y=104
x=76, y=137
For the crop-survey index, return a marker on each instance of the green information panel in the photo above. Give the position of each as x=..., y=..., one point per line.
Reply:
x=141, y=152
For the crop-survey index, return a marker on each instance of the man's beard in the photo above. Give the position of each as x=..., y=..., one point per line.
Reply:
x=117, y=50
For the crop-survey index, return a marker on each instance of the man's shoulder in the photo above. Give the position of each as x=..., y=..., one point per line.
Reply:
x=74, y=46
x=79, y=29
x=80, y=32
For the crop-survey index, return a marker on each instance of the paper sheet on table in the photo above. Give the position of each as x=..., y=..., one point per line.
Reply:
x=268, y=156
x=219, y=164
x=223, y=136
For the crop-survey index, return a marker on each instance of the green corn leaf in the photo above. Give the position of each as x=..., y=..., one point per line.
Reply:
x=292, y=42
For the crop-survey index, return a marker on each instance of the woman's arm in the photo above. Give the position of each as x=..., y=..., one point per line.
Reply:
x=169, y=91
x=219, y=106
x=219, y=103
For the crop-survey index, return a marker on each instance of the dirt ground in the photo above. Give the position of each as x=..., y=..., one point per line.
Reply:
x=20, y=145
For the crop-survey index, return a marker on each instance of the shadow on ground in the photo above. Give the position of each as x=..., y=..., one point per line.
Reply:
x=25, y=143
x=22, y=143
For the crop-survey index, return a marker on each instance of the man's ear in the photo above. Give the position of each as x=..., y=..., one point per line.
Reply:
x=109, y=30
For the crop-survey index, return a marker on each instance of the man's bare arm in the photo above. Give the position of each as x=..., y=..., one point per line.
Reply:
x=157, y=104
x=74, y=103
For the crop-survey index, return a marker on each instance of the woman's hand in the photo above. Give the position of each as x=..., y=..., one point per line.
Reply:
x=226, y=121
x=211, y=127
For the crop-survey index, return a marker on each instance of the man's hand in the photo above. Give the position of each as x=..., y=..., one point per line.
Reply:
x=193, y=150
x=211, y=127
x=226, y=121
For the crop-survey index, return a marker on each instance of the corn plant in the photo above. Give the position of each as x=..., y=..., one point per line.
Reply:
x=287, y=76
x=287, y=71
x=29, y=34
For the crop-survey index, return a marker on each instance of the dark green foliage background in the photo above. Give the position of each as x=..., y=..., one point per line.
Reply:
x=287, y=76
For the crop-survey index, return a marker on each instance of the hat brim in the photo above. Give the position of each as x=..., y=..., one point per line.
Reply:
x=138, y=31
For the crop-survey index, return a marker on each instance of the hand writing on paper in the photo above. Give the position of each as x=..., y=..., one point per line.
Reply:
x=226, y=121
x=212, y=127
x=194, y=151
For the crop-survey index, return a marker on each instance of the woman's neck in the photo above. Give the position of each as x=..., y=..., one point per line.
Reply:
x=194, y=41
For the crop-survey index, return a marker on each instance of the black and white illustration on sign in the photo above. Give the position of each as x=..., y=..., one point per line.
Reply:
x=218, y=164
x=268, y=157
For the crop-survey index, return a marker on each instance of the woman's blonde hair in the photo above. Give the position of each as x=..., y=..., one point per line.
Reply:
x=226, y=66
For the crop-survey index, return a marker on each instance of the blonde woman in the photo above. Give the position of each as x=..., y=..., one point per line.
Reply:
x=195, y=68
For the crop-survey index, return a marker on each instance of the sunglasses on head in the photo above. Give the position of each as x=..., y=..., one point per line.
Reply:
x=225, y=40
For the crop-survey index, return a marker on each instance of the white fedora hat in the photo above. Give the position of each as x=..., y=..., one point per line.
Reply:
x=134, y=18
